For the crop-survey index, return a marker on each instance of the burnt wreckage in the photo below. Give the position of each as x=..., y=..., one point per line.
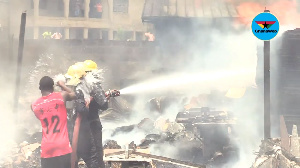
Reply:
x=202, y=135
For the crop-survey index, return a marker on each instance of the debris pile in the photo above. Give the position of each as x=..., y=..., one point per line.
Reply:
x=268, y=155
x=111, y=144
x=190, y=133
x=23, y=155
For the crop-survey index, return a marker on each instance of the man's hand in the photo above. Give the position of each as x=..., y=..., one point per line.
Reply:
x=60, y=83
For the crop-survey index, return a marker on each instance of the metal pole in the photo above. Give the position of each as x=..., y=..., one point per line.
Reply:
x=267, y=112
x=19, y=63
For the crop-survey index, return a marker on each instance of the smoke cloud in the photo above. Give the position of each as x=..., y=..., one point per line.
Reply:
x=226, y=49
x=285, y=10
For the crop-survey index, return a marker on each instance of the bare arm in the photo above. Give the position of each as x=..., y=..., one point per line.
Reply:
x=67, y=93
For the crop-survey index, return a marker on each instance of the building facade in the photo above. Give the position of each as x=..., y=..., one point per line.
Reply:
x=3, y=18
x=84, y=19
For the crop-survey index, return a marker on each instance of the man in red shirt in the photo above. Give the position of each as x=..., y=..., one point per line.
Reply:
x=99, y=9
x=50, y=109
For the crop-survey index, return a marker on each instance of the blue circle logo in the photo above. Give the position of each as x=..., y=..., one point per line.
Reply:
x=265, y=26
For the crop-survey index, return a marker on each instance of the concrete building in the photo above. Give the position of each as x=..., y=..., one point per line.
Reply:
x=3, y=18
x=3, y=11
x=83, y=19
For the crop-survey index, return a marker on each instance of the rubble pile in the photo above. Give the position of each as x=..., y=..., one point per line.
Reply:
x=268, y=154
x=187, y=133
x=111, y=144
x=23, y=155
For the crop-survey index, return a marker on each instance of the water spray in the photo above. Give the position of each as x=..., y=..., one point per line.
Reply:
x=170, y=82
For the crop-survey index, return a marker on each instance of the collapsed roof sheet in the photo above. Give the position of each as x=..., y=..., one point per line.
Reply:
x=188, y=9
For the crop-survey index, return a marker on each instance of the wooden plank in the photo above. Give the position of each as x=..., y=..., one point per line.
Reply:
x=181, y=8
x=206, y=8
x=214, y=9
x=223, y=9
x=148, y=8
x=172, y=8
x=232, y=10
x=198, y=8
x=190, y=10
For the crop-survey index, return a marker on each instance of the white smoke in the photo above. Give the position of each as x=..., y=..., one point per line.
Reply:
x=229, y=60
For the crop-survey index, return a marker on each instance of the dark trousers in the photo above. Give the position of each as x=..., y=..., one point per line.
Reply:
x=90, y=144
x=96, y=128
x=63, y=161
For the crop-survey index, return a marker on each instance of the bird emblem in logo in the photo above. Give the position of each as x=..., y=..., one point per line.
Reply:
x=265, y=24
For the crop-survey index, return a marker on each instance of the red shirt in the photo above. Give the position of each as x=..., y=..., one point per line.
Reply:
x=99, y=7
x=52, y=113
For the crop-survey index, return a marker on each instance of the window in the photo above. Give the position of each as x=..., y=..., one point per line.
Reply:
x=43, y=4
x=61, y=5
x=94, y=34
x=123, y=35
x=120, y=6
x=139, y=36
x=104, y=35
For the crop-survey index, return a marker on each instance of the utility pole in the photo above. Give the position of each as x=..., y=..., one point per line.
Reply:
x=19, y=63
x=267, y=97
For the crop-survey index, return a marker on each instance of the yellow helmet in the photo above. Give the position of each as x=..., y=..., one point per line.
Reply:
x=90, y=65
x=70, y=72
x=75, y=72
x=82, y=65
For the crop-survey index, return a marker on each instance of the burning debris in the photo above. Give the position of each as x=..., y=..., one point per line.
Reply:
x=195, y=132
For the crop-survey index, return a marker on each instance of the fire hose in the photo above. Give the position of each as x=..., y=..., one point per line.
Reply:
x=112, y=93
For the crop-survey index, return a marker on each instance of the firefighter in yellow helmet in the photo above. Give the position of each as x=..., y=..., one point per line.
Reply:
x=90, y=147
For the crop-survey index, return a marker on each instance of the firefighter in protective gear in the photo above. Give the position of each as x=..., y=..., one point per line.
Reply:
x=90, y=132
x=96, y=105
x=73, y=76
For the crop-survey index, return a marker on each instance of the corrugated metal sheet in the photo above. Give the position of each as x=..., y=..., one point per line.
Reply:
x=189, y=9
